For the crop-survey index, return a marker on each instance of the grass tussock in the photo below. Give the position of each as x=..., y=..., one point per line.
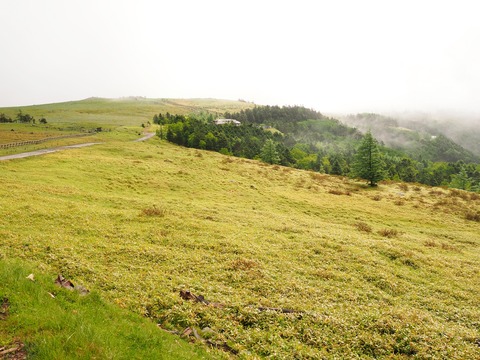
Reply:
x=389, y=233
x=228, y=160
x=430, y=243
x=154, y=211
x=437, y=193
x=339, y=192
x=464, y=195
x=474, y=196
x=403, y=186
x=244, y=264
x=473, y=216
x=361, y=226
x=318, y=177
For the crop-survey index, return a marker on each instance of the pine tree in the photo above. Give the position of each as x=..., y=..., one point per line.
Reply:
x=461, y=180
x=368, y=162
x=269, y=152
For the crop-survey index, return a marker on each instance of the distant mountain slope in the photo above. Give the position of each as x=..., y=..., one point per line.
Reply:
x=419, y=140
x=303, y=125
x=463, y=129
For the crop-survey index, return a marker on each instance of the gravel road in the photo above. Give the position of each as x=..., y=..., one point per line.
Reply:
x=61, y=148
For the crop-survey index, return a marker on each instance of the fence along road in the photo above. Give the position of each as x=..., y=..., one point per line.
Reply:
x=39, y=141
x=60, y=148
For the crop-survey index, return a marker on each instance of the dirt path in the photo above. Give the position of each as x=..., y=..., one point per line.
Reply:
x=44, y=151
x=146, y=137
x=61, y=148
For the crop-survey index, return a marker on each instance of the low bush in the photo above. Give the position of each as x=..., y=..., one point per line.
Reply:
x=403, y=187
x=339, y=192
x=390, y=233
x=473, y=216
x=361, y=226
x=154, y=211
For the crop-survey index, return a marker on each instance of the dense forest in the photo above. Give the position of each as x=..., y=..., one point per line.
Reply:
x=306, y=139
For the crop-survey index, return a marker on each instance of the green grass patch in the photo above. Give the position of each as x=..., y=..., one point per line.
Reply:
x=71, y=326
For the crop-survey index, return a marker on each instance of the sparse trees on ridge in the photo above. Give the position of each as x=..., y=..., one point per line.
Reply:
x=21, y=118
x=5, y=119
x=25, y=118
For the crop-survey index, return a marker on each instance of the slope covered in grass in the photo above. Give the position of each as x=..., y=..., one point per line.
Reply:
x=386, y=272
x=131, y=111
x=43, y=321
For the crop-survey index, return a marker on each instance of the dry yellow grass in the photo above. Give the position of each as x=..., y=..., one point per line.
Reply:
x=250, y=236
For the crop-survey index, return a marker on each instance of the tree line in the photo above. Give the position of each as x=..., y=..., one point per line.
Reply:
x=21, y=118
x=306, y=139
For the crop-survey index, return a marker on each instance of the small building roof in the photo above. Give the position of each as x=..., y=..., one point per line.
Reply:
x=227, y=121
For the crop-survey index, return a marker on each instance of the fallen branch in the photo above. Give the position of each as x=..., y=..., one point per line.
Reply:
x=285, y=311
x=174, y=332
x=4, y=352
x=187, y=295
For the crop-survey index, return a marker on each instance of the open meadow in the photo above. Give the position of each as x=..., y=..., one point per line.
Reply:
x=293, y=264
x=131, y=111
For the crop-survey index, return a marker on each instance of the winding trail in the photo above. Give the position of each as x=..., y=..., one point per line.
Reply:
x=61, y=148
x=146, y=137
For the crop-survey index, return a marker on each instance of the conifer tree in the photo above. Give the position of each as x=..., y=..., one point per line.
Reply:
x=368, y=162
x=269, y=152
x=461, y=180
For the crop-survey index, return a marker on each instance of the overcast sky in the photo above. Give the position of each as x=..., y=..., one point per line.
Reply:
x=334, y=56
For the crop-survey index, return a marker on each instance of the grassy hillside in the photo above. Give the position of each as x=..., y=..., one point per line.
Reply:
x=122, y=112
x=40, y=320
x=385, y=272
x=125, y=115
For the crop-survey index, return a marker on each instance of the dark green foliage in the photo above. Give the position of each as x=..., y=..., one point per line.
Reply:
x=244, y=140
x=5, y=119
x=368, y=162
x=461, y=180
x=269, y=153
x=441, y=148
x=401, y=168
x=25, y=118
x=21, y=118
x=308, y=140
x=278, y=117
x=420, y=140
